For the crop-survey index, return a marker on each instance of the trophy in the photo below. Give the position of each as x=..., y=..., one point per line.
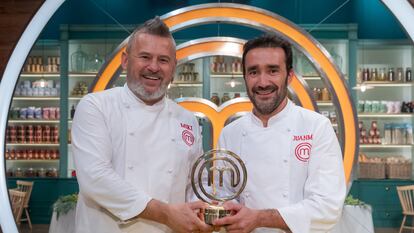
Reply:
x=218, y=176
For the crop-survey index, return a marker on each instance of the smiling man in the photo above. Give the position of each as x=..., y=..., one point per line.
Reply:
x=131, y=156
x=295, y=175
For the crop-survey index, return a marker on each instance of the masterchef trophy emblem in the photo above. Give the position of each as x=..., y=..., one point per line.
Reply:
x=218, y=176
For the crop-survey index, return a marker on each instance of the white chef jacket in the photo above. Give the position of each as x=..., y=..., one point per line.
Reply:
x=293, y=165
x=127, y=153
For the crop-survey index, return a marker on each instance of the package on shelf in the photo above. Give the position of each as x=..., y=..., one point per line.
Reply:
x=398, y=133
x=371, y=167
x=398, y=167
x=381, y=106
x=32, y=112
x=331, y=115
x=38, y=88
x=321, y=94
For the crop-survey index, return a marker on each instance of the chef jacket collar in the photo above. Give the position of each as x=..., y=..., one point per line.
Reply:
x=274, y=119
x=130, y=99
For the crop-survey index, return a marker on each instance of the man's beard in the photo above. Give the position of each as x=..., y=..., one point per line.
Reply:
x=138, y=89
x=270, y=105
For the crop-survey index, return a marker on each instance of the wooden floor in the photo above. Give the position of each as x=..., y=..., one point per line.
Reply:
x=37, y=228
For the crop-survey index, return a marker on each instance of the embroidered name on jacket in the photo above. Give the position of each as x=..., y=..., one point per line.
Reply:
x=187, y=134
x=303, y=137
x=303, y=149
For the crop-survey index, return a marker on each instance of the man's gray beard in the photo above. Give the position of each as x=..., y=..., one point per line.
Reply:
x=138, y=89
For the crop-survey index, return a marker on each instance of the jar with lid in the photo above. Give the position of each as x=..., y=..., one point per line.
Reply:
x=18, y=172
x=41, y=172
x=225, y=98
x=30, y=172
x=52, y=172
x=325, y=94
x=215, y=99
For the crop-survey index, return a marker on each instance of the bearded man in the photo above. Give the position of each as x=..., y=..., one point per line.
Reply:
x=294, y=162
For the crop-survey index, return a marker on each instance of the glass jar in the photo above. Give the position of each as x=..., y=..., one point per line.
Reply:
x=325, y=94
x=225, y=98
x=215, y=99
x=78, y=60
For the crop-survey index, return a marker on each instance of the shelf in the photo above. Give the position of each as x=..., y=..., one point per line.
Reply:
x=324, y=103
x=36, y=98
x=226, y=75
x=386, y=84
x=32, y=160
x=82, y=75
x=34, y=121
x=75, y=97
x=380, y=146
x=311, y=77
x=186, y=84
x=33, y=145
x=40, y=75
x=334, y=125
x=384, y=115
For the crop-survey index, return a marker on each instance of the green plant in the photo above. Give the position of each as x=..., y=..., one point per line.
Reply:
x=64, y=204
x=350, y=200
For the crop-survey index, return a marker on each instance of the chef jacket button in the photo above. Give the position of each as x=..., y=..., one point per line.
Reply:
x=284, y=195
x=130, y=167
x=244, y=133
x=173, y=139
x=170, y=171
x=285, y=160
x=131, y=134
x=288, y=130
x=127, y=106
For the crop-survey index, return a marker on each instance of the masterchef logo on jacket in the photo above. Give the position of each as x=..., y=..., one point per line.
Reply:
x=304, y=147
x=187, y=134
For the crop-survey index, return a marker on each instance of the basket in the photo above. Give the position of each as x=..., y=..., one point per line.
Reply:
x=399, y=170
x=372, y=170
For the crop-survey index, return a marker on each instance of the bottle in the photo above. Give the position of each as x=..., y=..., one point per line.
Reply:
x=72, y=112
x=408, y=75
x=391, y=76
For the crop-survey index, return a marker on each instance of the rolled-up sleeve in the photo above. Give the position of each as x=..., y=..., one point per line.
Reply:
x=325, y=188
x=92, y=151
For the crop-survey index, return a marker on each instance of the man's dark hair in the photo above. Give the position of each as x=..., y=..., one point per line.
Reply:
x=153, y=26
x=269, y=41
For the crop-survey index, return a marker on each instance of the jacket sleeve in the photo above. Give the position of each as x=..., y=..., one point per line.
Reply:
x=325, y=188
x=92, y=151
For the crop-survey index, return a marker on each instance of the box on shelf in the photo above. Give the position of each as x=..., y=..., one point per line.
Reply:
x=371, y=167
x=397, y=167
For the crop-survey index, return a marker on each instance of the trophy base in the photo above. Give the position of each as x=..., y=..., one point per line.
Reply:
x=214, y=212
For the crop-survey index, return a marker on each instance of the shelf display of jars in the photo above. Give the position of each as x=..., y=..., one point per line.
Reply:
x=384, y=74
x=32, y=134
x=36, y=64
x=80, y=89
x=187, y=74
x=221, y=64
